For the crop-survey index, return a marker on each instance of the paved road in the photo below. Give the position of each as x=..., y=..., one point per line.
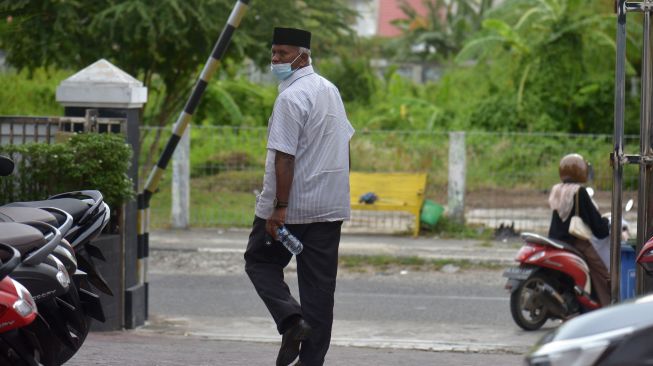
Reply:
x=204, y=310
x=396, y=308
x=381, y=319
x=395, y=311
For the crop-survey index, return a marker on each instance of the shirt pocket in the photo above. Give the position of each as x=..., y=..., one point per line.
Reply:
x=332, y=146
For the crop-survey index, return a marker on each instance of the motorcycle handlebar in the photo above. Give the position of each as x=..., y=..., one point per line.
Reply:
x=9, y=265
x=69, y=219
x=39, y=255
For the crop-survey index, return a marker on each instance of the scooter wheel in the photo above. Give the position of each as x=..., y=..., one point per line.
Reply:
x=526, y=306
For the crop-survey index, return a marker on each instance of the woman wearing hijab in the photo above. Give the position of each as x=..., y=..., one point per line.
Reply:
x=564, y=197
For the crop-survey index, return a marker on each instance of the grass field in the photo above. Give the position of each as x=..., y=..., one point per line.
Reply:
x=224, y=199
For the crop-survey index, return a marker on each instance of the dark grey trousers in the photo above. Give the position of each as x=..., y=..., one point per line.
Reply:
x=317, y=266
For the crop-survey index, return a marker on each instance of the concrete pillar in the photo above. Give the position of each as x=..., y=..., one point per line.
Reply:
x=457, y=173
x=114, y=93
x=181, y=183
x=417, y=72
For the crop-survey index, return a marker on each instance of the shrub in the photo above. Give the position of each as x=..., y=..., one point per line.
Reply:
x=85, y=161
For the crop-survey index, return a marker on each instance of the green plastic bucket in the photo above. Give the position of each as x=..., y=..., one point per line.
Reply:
x=431, y=213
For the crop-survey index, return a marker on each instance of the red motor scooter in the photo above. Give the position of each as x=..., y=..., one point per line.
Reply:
x=551, y=282
x=18, y=317
x=17, y=307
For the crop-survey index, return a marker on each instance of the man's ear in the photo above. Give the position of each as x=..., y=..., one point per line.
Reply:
x=304, y=57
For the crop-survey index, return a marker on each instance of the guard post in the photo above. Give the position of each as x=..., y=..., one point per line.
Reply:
x=107, y=91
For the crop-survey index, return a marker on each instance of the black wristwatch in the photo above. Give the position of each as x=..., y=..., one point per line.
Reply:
x=279, y=204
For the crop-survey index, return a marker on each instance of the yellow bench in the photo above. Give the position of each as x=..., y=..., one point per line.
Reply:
x=396, y=192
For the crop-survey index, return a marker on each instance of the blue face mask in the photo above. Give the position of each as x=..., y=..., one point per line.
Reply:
x=283, y=71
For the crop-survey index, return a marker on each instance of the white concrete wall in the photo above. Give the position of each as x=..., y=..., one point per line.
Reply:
x=366, y=23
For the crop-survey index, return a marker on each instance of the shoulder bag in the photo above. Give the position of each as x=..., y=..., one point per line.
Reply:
x=577, y=227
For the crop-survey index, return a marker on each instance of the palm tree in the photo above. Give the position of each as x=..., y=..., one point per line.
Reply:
x=537, y=34
x=441, y=32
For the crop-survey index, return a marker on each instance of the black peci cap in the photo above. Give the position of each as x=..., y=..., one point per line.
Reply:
x=292, y=37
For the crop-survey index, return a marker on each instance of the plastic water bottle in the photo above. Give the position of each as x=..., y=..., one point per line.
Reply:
x=289, y=241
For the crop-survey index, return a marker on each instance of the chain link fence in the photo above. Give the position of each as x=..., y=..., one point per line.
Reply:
x=509, y=175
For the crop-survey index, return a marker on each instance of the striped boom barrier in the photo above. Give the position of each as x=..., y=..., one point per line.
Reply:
x=211, y=65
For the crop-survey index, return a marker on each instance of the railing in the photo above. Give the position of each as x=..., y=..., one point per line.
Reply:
x=507, y=180
x=23, y=129
x=508, y=174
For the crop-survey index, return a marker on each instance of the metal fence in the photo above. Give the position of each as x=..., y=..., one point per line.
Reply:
x=508, y=174
x=16, y=130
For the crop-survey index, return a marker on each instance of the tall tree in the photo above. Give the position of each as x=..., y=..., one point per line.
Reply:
x=162, y=42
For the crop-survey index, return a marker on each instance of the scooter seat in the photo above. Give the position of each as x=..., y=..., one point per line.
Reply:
x=76, y=208
x=24, y=238
x=24, y=214
x=542, y=240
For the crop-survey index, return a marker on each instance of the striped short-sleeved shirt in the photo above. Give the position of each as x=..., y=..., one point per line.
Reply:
x=309, y=122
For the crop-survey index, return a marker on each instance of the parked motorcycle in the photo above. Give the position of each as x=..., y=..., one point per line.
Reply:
x=80, y=216
x=18, y=306
x=18, y=317
x=552, y=281
x=47, y=280
x=75, y=326
x=90, y=216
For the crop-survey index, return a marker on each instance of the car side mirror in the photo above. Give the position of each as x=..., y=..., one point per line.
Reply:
x=590, y=172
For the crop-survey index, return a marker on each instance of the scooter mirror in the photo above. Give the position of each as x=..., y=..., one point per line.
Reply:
x=6, y=165
x=590, y=191
x=590, y=172
x=629, y=205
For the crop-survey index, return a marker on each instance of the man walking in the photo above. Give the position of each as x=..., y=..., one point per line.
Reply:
x=305, y=188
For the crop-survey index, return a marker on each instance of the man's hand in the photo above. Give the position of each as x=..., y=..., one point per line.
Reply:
x=275, y=221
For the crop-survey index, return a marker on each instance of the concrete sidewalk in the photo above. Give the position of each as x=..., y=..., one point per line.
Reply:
x=135, y=348
x=235, y=240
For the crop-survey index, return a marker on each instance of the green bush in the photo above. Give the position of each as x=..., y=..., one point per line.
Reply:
x=85, y=161
x=449, y=229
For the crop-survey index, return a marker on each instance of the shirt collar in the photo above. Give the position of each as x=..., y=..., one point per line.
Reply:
x=306, y=70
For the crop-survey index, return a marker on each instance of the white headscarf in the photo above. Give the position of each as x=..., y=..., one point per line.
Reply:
x=561, y=198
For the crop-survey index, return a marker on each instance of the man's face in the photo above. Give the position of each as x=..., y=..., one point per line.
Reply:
x=282, y=54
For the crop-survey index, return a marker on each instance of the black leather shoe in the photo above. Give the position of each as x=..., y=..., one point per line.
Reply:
x=290, y=342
